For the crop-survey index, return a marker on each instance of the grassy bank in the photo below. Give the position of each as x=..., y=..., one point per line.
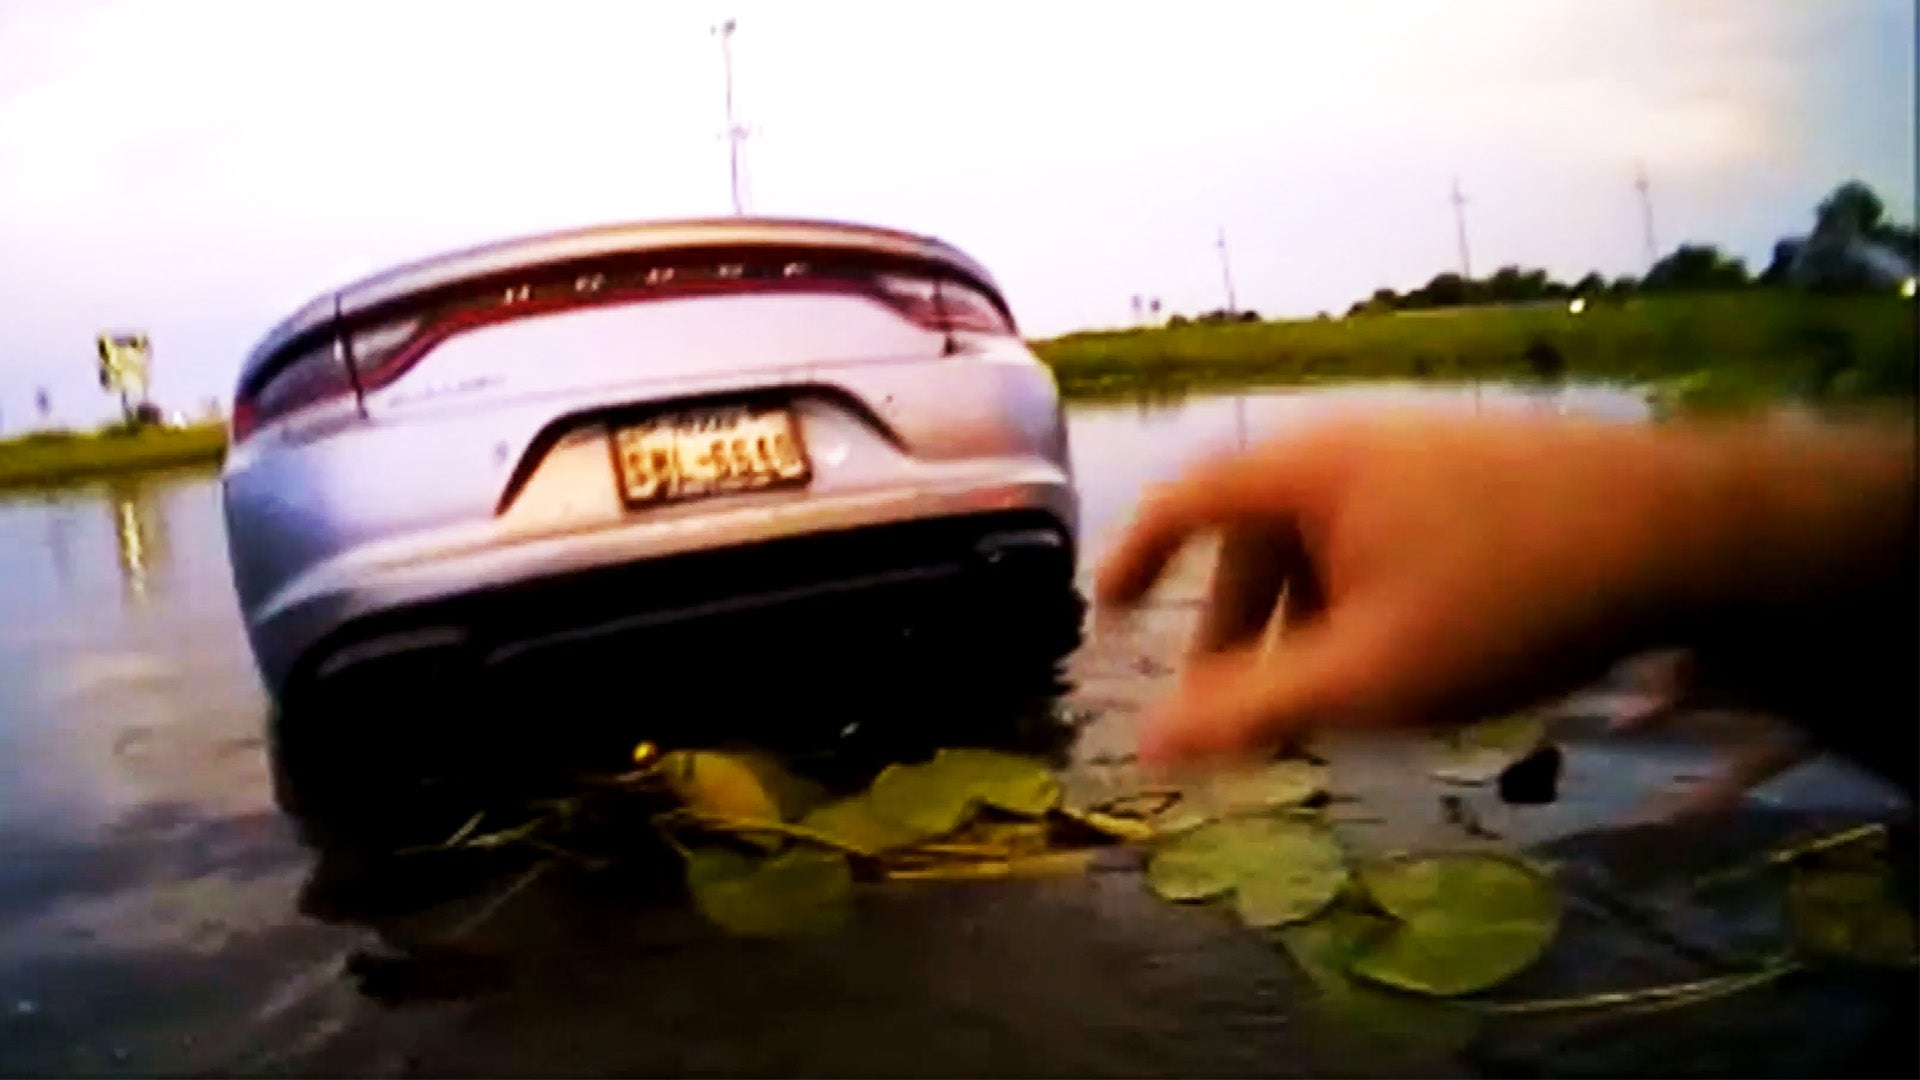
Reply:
x=64, y=457
x=1725, y=348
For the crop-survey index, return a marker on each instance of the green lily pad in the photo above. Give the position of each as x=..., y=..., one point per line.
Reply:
x=1851, y=915
x=1018, y=785
x=1198, y=864
x=792, y=794
x=1288, y=869
x=718, y=784
x=1478, y=753
x=1467, y=922
x=802, y=890
x=852, y=823
x=939, y=796
x=1301, y=871
x=1278, y=784
x=1373, y=1030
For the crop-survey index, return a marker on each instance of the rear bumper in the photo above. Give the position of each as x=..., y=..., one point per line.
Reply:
x=502, y=603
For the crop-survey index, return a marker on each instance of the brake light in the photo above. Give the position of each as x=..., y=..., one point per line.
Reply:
x=311, y=373
x=382, y=352
x=943, y=305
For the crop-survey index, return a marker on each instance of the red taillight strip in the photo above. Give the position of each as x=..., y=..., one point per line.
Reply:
x=436, y=329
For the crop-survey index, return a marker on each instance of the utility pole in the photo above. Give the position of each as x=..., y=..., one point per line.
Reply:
x=1641, y=185
x=1460, y=229
x=1226, y=272
x=735, y=133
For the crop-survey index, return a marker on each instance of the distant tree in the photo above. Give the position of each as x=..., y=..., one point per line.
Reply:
x=1695, y=267
x=1385, y=299
x=1781, y=265
x=1249, y=315
x=1623, y=286
x=1851, y=210
x=1590, y=285
x=1177, y=320
x=1445, y=290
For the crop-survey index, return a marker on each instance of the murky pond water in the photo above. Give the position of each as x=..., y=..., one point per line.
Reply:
x=158, y=915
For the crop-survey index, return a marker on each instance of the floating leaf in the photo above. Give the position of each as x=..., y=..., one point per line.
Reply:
x=1043, y=863
x=939, y=796
x=1199, y=864
x=1478, y=753
x=801, y=890
x=1290, y=865
x=852, y=823
x=717, y=784
x=1852, y=915
x=1018, y=785
x=1113, y=825
x=1300, y=871
x=793, y=795
x=1291, y=782
x=1372, y=1030
x=1467, y=922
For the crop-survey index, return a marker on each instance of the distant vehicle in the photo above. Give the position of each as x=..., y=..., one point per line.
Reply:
x=641, y=433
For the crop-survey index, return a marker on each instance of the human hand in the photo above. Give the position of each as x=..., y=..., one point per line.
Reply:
x=1432, y=568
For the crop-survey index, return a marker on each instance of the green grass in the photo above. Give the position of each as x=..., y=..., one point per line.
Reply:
x=1724, y=348
x=64, y=457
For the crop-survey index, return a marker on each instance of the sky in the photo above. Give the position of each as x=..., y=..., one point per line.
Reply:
x=198, y=168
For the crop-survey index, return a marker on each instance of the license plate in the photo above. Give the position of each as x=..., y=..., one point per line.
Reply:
x=699, y=452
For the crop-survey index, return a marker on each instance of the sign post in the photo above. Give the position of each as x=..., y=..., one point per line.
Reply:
x=125, y=363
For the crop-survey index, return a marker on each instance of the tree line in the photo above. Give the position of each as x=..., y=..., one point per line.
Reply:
x=1827, y=259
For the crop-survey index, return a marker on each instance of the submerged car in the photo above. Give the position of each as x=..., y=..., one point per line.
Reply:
x=633, y=434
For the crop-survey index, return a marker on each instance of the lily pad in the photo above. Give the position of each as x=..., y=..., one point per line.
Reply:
x=1018, y=785
x=1478, y=753
x=1850, y=915
x=852, y=823
x=1303, y=869
x=1372, y=1030
x=1467, y=922
x=717, y=784
x=1199, y=864
x=1290, y=869
x=939, y=796
x=792, y=794
x=1278, y=784
x=802, y=890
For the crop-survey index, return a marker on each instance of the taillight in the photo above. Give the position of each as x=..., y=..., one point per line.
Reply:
x=382, y=352
x=942, y=305
x=315, y=373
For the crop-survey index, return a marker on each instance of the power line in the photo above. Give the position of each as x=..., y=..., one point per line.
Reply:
x=1645, y=188
x=1226, y=272
x=1460, y=229
x=735, y=134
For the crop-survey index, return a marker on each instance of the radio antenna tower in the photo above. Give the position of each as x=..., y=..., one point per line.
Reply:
x=1226, y=273
x=1460, y=229
x=736, y=134
x=1641, y=185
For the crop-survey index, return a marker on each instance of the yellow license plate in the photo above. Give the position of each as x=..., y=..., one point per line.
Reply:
x=699, y=452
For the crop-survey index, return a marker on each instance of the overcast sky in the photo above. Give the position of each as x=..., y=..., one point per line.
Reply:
x=196, y=168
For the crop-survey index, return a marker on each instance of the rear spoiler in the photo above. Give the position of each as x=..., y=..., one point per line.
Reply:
x=584, y=245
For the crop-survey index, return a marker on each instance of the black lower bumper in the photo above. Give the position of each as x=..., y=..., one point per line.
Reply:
x=1006, y=575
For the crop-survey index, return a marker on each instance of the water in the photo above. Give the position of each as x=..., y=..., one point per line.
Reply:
x=157, y=914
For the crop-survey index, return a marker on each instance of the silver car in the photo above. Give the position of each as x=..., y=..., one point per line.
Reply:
x=627, y=434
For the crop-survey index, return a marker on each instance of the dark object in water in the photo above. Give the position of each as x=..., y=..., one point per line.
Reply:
x=1534, y=780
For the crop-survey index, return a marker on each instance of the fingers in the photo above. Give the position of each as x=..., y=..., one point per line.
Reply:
x=1217, y=492
x=1255, y=562
x=1244, y=698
